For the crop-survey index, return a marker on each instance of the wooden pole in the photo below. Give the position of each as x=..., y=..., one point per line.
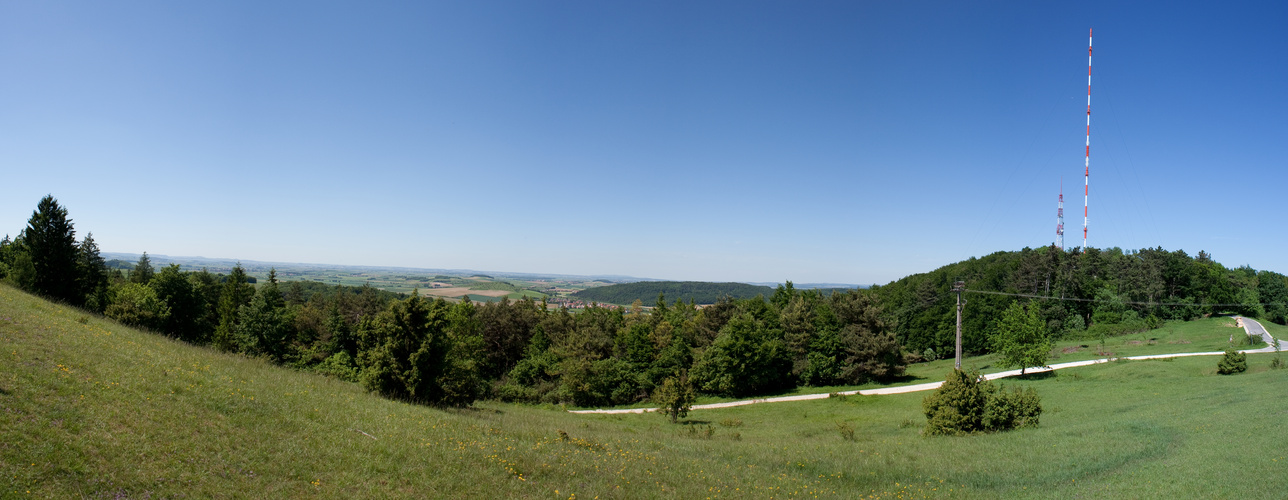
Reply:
x=958, y=287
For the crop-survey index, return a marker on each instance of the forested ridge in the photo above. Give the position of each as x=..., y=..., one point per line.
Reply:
x=1082, y=294
x=431, y=351
x=699, y=292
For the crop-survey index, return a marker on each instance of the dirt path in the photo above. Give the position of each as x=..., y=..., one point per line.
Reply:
x=1249, y=325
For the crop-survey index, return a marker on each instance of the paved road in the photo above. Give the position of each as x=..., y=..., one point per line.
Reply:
x=1249, y=325
x=1254, y=328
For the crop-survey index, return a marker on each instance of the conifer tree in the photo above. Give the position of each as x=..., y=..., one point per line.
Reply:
x=262, y=324
x=236, y=293
x=93, y=274
x=51, y=243
x=143, y=270
x=187, y=305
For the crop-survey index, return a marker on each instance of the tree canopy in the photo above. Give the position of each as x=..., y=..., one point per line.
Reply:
x=1021, y=339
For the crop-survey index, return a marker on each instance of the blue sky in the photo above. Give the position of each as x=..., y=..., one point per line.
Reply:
x=852, y=142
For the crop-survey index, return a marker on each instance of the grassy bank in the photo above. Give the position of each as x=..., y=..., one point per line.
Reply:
x=90, y=408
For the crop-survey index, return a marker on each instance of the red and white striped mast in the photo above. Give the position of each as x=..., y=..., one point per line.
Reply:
x=1086, y=179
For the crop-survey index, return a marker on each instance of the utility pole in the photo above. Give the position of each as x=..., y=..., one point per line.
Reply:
x=958, y=286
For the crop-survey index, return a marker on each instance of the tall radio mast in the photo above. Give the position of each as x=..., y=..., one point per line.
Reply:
x=1086, y=179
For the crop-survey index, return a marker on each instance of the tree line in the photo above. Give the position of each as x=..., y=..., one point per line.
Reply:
x=437, y=352
x=1082, y=294
x=700, y=292
x=433, y=351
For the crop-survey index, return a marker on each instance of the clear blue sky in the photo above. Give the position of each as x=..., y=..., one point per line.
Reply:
x=745, y=141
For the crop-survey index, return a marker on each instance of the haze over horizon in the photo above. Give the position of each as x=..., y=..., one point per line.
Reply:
x=834, y=142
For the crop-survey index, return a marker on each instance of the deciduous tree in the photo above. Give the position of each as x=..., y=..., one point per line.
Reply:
x=675, y=396
x=1020, y=338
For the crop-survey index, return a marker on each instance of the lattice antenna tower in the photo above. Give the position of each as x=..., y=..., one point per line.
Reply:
x=1086, y=179
x=1059, y=219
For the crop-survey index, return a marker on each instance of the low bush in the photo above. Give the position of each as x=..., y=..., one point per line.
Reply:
x=1232, y=362
x=846, y=430
x=1012, y=409
x=339, y=365
x=968, y=403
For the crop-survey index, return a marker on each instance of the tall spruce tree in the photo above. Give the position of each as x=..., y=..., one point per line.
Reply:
x=236, y=293
x=263, y=324
x=143, y=270
x=51, y=243
x=93, y=274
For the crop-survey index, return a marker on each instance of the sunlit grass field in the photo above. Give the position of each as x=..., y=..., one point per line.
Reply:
x=90, y=408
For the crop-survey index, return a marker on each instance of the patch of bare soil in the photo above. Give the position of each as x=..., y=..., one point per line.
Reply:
x=1071, y=349
x=1180, y=341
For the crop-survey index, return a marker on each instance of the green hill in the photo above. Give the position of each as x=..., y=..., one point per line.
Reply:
x=92, y=409
x=1108, y=291
x=700, y=292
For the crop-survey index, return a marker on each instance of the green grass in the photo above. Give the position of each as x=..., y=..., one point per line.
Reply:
x=1202, y=335
x=481, y=298
x=521, y=294
x=95, y=409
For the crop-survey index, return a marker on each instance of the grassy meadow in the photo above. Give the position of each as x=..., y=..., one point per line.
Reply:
x=90, y=408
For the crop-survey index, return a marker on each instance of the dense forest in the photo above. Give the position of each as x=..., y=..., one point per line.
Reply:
x=1080, y=294
x=431, y=351
x=698, y=292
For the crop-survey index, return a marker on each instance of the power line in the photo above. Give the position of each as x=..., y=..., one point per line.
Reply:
x=1192, y=304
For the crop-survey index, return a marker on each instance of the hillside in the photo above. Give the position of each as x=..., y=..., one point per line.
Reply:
x=700, y=292
x=91, y=409
x=1081, y=294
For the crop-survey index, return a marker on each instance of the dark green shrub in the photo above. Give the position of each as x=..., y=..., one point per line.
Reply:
x=412, y=357
x=1252, y=341
x=339, y=365
x=957, y=407
x=968, y=403
x=1232, y=362
x=1013, y=409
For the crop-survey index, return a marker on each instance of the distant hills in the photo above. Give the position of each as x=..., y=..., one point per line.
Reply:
x=224, y=265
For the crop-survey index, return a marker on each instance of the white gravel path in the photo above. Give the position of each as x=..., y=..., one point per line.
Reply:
x=1252, y=327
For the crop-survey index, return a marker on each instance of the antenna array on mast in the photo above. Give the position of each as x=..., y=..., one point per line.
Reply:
x=1059, y=219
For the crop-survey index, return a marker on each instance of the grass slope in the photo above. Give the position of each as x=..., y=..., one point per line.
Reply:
x=95, y=409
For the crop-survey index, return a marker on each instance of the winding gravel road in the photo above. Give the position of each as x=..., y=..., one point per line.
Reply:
x=1251, y=326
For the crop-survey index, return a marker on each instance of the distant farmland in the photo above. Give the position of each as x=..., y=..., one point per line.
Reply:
x=459, y=291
